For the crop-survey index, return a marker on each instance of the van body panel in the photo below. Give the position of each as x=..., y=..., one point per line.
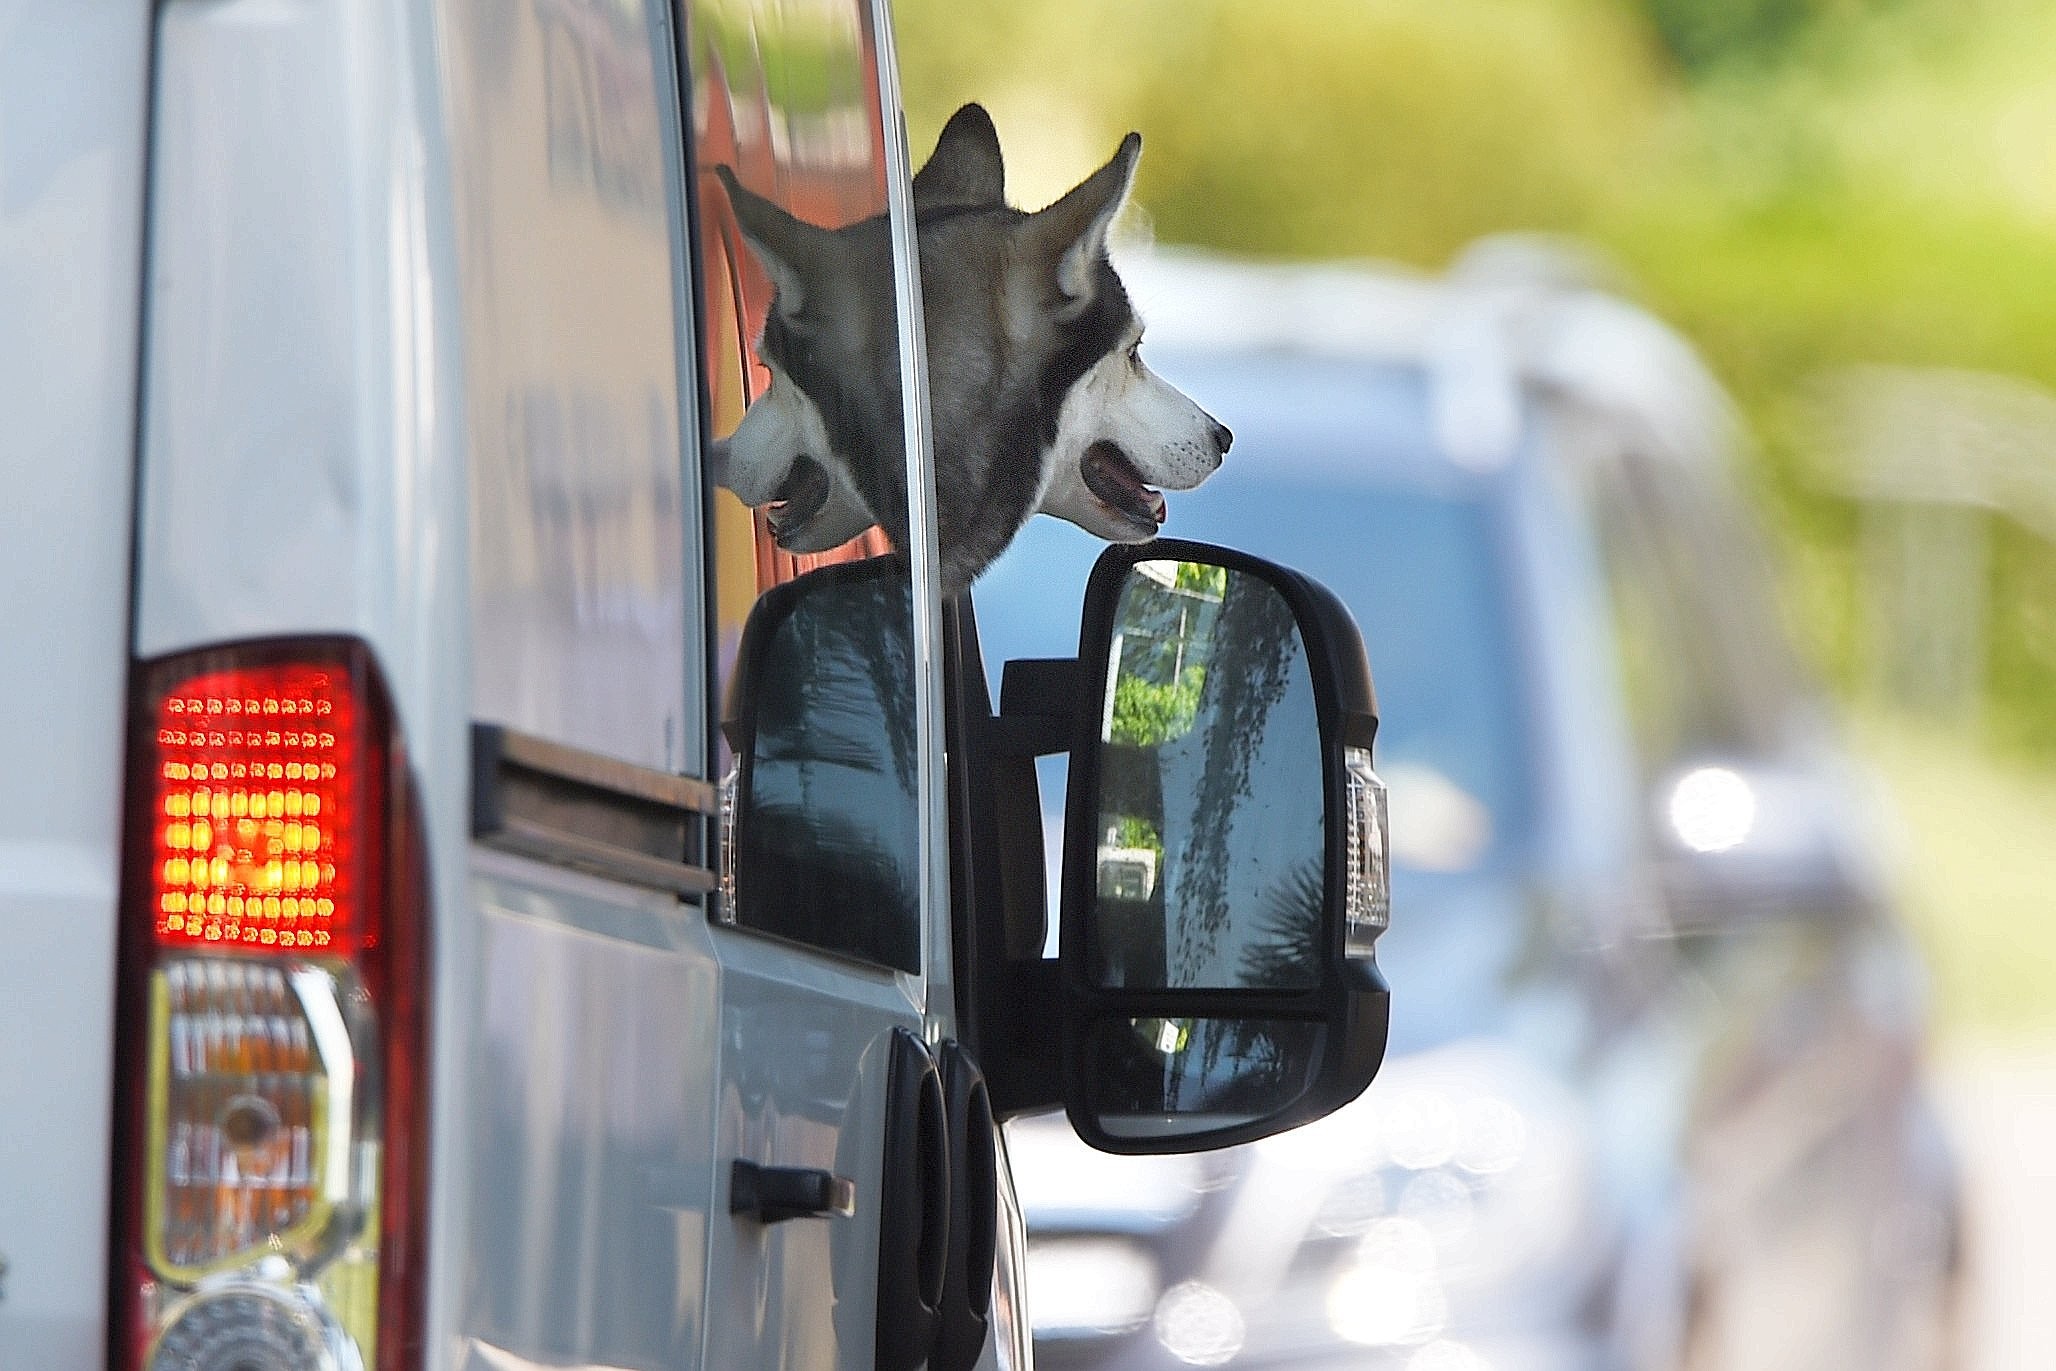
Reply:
x=810, y=1092
x=585, y=624
x=343, y=372
x=582, y=1119
x=288, y=417
x=72, y=83
x=590, y=1101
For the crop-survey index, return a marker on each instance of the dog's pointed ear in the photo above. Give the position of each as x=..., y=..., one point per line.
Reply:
x=965, y=170
x=1072, y=233
x=790, y=250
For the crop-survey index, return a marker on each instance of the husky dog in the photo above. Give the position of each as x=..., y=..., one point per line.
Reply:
x=1039, y=398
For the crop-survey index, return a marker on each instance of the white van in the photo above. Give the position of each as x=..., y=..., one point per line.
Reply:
x=470, y=900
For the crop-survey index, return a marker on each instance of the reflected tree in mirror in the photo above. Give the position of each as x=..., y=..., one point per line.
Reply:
x=1157, y=1077
x=1212, y=806
x=827, y=836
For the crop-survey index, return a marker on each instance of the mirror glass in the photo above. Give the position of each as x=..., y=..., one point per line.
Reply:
x=1211, y=806
x=1173, y=1077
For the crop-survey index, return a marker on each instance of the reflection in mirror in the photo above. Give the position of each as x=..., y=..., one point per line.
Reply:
x=1212, y=807
x=1168, y=1077
x=827, y=835
x=1038, y=397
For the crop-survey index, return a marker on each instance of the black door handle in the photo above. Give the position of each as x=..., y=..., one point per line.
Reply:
x=774, y=1194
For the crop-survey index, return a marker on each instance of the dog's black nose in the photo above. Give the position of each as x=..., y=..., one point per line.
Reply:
x=1222, y=437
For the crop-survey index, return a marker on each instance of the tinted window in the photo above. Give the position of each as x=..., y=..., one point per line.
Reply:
x=1423, y=575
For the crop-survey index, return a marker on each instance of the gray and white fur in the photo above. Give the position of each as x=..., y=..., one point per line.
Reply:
x=1039, y=397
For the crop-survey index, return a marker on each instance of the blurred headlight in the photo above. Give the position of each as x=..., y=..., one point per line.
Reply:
x=1199, y=1325
x=1712, y=809
x=1089, y=1287
x=1465, y=1175
x=1392, y=1293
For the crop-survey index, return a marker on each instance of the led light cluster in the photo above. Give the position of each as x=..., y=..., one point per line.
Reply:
x=257, y=798
x=243, y=1124
x=1368, y=856
x=269, y=1130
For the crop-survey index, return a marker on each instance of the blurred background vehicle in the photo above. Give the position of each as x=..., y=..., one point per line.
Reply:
x=1655, y=1093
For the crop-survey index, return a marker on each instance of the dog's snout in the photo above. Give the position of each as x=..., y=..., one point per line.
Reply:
x=1222, y=436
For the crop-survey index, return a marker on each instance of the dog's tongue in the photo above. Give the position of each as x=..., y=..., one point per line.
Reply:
x=1111, y=477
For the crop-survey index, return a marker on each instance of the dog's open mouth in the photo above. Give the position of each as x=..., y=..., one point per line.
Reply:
x=805, y=490
x=1115, y=483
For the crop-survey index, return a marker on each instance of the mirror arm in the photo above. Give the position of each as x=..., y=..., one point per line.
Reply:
x=1038, y=708
x=1023, y=1072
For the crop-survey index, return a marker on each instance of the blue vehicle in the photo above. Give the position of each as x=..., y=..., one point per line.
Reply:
x=1653, y=1096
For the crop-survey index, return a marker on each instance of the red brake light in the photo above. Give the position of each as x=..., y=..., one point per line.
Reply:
x=262, y=834
x=271, y=1118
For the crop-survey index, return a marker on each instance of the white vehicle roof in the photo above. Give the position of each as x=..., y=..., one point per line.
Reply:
x=1516, y=315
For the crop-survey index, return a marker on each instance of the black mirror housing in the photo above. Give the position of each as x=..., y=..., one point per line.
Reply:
x=1224, y=873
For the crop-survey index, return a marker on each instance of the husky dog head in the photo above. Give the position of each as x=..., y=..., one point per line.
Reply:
x=831, y=415
x=1039, y=397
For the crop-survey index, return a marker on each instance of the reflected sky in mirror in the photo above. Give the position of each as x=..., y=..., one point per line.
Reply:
x=1212, y=807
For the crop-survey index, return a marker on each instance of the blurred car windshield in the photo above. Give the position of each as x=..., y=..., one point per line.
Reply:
x=1421, y=574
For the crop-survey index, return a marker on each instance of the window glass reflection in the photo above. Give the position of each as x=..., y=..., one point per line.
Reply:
x=829, y=839
x=790, y=175
x=583, y=556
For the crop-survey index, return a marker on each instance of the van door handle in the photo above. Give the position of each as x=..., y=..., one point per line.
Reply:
x=773, y=1194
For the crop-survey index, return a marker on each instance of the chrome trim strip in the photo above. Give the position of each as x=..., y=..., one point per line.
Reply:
x=922, y=553
x=595, y=772
x=527, y=839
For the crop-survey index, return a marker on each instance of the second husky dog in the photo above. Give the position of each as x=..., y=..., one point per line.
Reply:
x=1039, y=397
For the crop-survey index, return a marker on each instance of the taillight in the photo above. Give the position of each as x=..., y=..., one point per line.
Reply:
x=269, y=1156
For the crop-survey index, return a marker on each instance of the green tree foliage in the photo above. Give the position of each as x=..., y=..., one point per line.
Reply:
x=1707, y=33
x=1797, y=184
x=1147, y=713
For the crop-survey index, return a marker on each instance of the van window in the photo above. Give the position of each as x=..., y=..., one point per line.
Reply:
x=584, y=529
x=806, y=465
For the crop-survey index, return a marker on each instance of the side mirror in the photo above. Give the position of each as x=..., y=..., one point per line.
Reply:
x=822, y=842
x=1224, y=876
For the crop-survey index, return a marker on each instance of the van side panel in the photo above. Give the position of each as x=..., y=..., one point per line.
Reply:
x=266, y=494
x=71, y=193
x=589, y=1100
